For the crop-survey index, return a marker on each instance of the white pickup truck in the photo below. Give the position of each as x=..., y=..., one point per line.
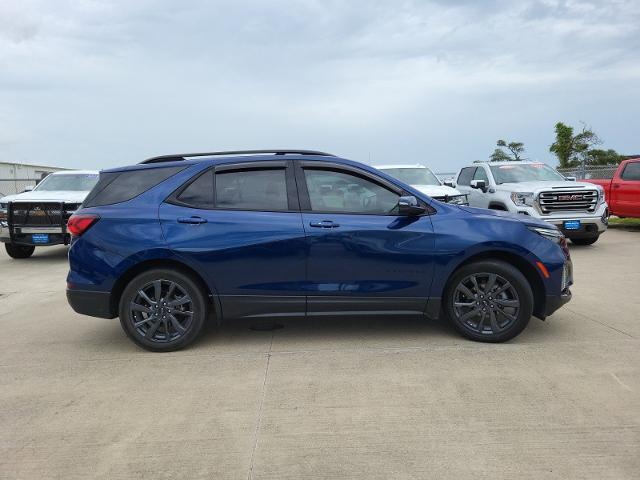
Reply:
x=578, y=209
x=424, y=180
x=38, y=216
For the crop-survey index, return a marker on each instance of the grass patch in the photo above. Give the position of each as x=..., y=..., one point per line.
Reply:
x=630, y=222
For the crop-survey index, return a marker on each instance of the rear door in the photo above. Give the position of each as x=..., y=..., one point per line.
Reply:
x=240, y=224
x=363, y=257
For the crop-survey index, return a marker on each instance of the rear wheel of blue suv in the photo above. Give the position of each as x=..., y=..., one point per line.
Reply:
x=300, y=234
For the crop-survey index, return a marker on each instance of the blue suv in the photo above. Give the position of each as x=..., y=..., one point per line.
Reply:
x=265, y=234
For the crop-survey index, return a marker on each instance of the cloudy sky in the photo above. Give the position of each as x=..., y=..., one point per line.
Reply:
x=108, y=82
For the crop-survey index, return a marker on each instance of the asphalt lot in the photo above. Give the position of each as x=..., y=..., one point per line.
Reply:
x=383, y=399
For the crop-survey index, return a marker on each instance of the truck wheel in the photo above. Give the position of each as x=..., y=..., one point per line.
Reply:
x=163, y=310
x=585, y=241
x=488, y=301
x=19, y=251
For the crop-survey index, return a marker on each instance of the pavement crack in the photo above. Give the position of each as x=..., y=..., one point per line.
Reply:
x=602, y=323
x=259, y=420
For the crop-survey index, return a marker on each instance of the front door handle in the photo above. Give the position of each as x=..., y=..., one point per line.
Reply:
x=324, y=224
x=192, y=220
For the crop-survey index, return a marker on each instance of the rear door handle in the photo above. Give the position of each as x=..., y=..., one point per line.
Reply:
x=192, y=220
x=324, y=224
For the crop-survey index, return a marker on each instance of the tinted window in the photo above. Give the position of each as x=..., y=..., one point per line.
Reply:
x=331, y=191
x=466, y=174
x=631, y=171
x=481, y=175
x=252, y=190
x=116, y=187
x=199, y=193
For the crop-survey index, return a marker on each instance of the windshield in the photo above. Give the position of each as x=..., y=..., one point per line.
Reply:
x=68, y=183
x=413, y=176
x=530, y=172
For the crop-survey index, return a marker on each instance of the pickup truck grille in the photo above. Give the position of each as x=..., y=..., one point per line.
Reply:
x=36, y=214
x=568, y=201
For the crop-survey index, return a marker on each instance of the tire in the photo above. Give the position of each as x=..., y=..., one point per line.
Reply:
x=165, y=325
x=585, y=241
x=19, y=251
x=505, y=315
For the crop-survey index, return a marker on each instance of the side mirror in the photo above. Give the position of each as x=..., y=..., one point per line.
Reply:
x=570, y=179
x=28, y=188
x=409, y=206
x=449, y=183
x=479, y=184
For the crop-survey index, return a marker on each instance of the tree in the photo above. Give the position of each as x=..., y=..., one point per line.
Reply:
x=603, y=157
x=515, y=151
x=572, y=150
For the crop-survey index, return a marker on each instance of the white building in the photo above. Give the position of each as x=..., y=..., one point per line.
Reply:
x=14, y=177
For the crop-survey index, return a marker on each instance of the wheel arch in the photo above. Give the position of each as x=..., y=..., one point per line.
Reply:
x=498, y=206
x=526, y=268
x=137, y=269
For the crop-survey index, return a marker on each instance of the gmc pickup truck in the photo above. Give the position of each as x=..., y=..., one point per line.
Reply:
x=578, y=209
x=38, y=216
x=622, y=192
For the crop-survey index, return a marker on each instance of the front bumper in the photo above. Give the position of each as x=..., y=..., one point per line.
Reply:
x=94, y=304
x=590, y=224
x=554, y=302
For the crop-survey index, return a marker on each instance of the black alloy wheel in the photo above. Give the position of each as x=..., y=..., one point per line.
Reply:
x=489, y=301
x=163, y=310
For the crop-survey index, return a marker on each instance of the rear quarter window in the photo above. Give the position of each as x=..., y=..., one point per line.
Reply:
x=118, y=187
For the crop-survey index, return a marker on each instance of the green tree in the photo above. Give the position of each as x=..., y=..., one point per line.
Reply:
x=571, y=149
x=603, y=157
x=515, y=151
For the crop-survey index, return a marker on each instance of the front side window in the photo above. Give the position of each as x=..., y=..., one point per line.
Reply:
x=527, y=172
x=332, y=191
x=264, y=190
x=481, y=175
x=466, y=174
x=631, y=171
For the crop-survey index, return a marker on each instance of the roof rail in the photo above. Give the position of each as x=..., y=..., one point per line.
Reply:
x=184, y=156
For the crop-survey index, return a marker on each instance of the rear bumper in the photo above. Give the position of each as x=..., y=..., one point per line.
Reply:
x=554, y=302
x=94, y=304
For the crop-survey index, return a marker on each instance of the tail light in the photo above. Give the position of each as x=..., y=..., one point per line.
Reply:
x=78, y=224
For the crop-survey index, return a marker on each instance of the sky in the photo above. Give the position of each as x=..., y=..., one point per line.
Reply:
x=102, y=83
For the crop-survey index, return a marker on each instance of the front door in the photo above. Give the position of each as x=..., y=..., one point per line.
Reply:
x=246, y=234
x=363, y=258
x=624, y=191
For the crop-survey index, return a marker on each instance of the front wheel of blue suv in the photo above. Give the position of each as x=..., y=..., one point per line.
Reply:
x=163, y=310
x=489, y=301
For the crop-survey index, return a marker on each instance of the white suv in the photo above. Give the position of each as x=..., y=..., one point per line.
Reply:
x=424, y=180
x=529, y=188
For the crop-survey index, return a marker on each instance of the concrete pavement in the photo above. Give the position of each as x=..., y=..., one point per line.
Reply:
x=382, y=399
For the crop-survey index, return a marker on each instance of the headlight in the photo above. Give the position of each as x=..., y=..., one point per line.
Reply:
x=3, y=211
x=458, y=200
x=600, y=194
x=522, y=198
x=552, y=234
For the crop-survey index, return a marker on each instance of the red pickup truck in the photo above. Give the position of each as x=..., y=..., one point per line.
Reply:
x=622, y=192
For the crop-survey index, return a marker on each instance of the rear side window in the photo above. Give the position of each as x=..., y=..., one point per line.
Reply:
x=466, y=174
x=264, y=190
x=631, y=171
x=199, y=193
x=117, y=187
